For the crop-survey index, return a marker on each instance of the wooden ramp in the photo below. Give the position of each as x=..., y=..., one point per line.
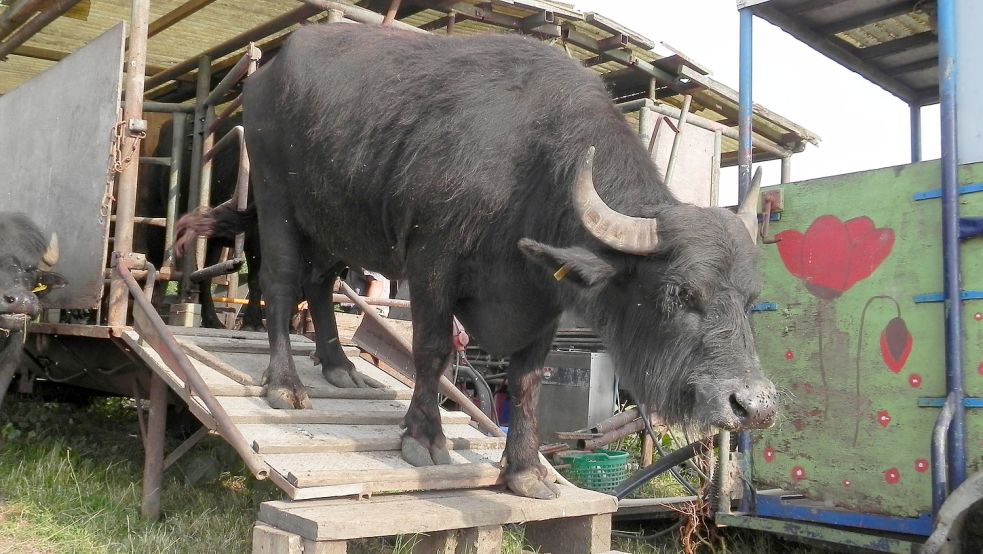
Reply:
x=348, y=444
x=335, y=460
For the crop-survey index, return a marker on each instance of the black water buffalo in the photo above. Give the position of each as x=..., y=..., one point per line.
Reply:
x=466, y=166
x=153, y=203
x=26, y=257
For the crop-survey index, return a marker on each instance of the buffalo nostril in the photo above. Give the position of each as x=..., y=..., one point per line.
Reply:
x=737, y=407
x=9, y=299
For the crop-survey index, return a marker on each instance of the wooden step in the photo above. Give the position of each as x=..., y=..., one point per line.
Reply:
x=343, y=519
x=296, y=439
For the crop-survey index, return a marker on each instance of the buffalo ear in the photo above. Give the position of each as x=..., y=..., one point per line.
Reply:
x=48, y=281
x=574, y=264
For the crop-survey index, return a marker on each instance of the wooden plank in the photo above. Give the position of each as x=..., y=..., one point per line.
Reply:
x=196, y=352
x=281, y=439
x=254, y=365
x=342, y=519
x=409, y=478
x=585, y=534
x=308, y=467
x=268, y=540
x=327, y=411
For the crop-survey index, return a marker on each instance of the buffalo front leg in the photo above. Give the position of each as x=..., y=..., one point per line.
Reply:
x=524, y=474
x=423, y=441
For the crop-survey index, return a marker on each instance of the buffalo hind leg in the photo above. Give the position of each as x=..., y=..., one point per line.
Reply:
x=209, y=318
x=335, y=365
x=252, y=318
x=524, y=474
x=423, y=441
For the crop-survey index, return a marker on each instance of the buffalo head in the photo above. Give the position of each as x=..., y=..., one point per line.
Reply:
x=671, y=295
x=26, y=260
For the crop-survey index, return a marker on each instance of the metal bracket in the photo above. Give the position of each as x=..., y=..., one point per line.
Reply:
x=934, y=402
x=940, y=297
x=136, y=126
x=937, y=193
x=765, y=307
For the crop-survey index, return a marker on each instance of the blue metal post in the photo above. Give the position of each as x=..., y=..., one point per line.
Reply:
x=952, y=277
x=745, y=107
x=743, y=185
x=916, y=132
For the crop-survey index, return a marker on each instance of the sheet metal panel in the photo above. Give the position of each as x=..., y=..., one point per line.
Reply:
x=56, y=140
x=969, y=86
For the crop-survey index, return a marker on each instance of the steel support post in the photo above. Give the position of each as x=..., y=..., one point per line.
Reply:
x=201, y=93
x=916, y=132
x=677, y=139
x=126, y=190
x=744, y=185
x=153, y=448
x=787, y=169
x=952, y=270
x=174, y=182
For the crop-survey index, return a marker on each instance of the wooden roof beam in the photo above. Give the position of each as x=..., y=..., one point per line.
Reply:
x=527, y=24
x=176, y=15
x=30, y=28
x=47, y=54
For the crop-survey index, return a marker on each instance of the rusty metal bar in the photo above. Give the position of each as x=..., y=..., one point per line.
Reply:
x=235, y=134
x=176, y=15
x=35, y=24
x=677, y=139
x=221, y=268
x=126, y=193
x=360, y=15
x=272, y=26
x=155, y=160
x=178, y=123
x=185, y=446
x=236, y=74
x=153, y=221
x=201, y=93
x=451, y=20
x=232, y=106
x=391, y=13
x=167, y=107
x=17, y=14
x=159, y=337
x=205, y=178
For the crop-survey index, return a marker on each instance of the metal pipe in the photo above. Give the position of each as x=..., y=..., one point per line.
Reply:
x=940, y=446
x=154, y=221
x=451, y=20
x=640, y=477
x=787, y=169
x=35, y=24
x=155, y=160
x=221, y=268
x=391, y=13
x=718, y=151
x=232, y=106
x=616, y=421
x=234, y=134
x=17, y=14
x=952, y=277
x=745, y=444
x=722, y=478
x=174, y=182
x=201, y=93
x=167, y=107
x=361, y=15
x=335, y=15
x=161, y=340
x=678, y=138
x=238, y=71
x=744, y=113
x=272, y=26
x=704, y=123
x=205, y=178
x=915, y=116
x=126, y=190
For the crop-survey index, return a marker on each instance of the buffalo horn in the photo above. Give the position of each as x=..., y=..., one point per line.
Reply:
x=748, y=210
x=632, y=235
x=50, y=256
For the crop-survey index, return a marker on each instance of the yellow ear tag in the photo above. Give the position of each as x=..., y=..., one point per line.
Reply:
x=562, y=272
x=40, y=287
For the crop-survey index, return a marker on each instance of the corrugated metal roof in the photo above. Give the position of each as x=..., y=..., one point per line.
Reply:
x=626, y=62
x=892, y=43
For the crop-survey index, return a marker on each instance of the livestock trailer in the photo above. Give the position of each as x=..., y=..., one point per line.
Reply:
x=868, y=319
x=85, y=88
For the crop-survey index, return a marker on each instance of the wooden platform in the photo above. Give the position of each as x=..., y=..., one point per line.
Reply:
x=578, y=522
x=348, y=444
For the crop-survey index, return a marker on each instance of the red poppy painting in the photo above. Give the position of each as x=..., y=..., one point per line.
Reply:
x=832, y=255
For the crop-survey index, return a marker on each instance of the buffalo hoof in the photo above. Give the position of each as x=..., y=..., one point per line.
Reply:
x=528, y=483
x=286, y=398
x=252, y=327
x=344, y=378
x=418, y=455
x=212, y=323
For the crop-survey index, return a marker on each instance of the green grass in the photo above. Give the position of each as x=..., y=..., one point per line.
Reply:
x=70, y=483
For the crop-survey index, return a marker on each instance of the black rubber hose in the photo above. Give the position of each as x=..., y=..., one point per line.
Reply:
x=640, y=477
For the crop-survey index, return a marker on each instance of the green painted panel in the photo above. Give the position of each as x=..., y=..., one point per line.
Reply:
x=850, y=432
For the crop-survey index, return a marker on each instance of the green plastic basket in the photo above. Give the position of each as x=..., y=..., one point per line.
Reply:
x=600, y=471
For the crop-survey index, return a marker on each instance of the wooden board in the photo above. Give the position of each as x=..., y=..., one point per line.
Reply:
x=304, y=470
x=341, y=519
x=295, y=439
